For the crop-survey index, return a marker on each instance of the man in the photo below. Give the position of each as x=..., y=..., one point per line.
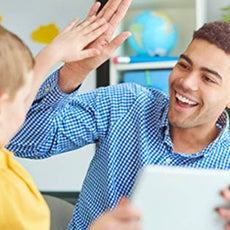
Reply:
x=134, y=126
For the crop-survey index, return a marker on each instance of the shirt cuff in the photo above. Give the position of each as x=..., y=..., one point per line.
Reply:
x=49, y=93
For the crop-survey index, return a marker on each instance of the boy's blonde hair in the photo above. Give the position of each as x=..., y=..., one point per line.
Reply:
x=15, y=61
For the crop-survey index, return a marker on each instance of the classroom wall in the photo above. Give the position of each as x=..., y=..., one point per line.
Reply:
x=64, y=172
x=214, y=9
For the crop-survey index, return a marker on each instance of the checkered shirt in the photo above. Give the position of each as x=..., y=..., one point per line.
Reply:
x=130, y=126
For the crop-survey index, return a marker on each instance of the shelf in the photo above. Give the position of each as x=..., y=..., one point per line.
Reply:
x=117, y=70
x=146, y=65
x=163, y=3
x=187, y=15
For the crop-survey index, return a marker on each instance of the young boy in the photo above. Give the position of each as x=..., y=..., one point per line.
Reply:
x=21, y=204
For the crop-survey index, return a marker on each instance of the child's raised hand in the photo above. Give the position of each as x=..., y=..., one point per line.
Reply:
x=72, y=43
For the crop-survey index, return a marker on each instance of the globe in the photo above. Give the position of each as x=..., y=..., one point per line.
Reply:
x=153, y=33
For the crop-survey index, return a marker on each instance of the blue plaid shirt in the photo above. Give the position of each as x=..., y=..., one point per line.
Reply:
x=130, y=126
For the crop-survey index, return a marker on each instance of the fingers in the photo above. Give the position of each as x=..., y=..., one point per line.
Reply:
x=90, y=25
x=109, y=9
x=225, y=193
x=72, y=44
x=128, y=216
x=93, y=10
x=94, y=31
x=120, y=13
x=126, y=211
x=71, y=25
x=90, y=17
x=227, y=226
x=111, y=220
x=223, y=211
x=89, y=30
x=108, y=47
x=75, y=23
x=116, y=42
x=114, y=11
x=87, y=22
x=87, y=53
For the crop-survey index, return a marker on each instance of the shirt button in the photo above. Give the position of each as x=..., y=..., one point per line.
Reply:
x=47, y=90
x=168, y=160
x=166, y=131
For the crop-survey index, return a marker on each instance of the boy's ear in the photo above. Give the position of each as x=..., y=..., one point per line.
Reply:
x=228, y=105
x=3, y=98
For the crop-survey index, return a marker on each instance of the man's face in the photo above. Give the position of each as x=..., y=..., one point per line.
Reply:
x=199, y=86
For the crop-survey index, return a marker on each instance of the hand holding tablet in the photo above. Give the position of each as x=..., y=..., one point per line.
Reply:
x=180, y=198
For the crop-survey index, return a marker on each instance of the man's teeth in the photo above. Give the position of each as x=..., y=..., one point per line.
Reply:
x=185, y=100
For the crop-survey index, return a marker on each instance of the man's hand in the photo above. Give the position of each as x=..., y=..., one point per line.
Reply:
x=123, y=217
x=223, y=211
x=73, y=74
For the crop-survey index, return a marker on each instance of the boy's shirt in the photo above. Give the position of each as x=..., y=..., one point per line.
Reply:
x=22, y=206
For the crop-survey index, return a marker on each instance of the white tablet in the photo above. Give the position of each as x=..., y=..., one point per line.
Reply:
x=180, y=198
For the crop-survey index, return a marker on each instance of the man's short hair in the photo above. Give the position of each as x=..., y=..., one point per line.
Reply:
x=217, y=33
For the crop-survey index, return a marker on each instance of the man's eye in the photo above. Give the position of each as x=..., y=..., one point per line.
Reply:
x=208, y=79
x=183, y=65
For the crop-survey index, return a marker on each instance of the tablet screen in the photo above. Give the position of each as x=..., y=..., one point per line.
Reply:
x=180, y=198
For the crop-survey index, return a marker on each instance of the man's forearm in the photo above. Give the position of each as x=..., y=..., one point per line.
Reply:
x=67, y=79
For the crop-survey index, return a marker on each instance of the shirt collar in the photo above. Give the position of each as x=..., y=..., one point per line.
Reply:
x=222, y=124
x=223, y=121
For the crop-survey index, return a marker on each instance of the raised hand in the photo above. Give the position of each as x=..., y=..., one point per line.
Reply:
x=73, y=73
x=71, y=45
